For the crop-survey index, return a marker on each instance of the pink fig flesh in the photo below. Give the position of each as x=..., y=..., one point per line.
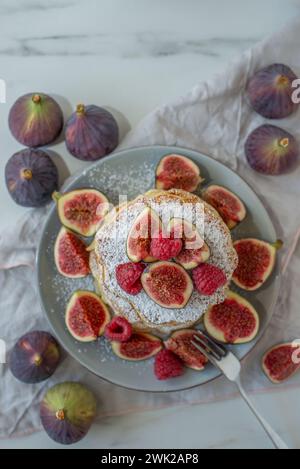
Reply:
x=228, y=205
x=86, y=316
x=281, y=362
x=167, y=284
x=140, y=346
x=177, y=172
x=180, y=343
x=139, y=237
x=234, y=321
x=71, y=256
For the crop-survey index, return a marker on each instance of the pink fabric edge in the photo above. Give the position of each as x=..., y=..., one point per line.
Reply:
x=132, y=410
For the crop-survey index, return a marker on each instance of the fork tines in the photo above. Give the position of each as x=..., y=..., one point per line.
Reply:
x=208, y=347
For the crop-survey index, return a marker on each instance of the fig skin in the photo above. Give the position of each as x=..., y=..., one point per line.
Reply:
x=277, y=362
x=91, y=133
x=81, y=210
x=31, y=177
x=35, y=120
x=140, y=346
x=271, y=150
x=270, y=91
x=34, y=357
x=82, y=318
x=217, y=328
x=67, y=412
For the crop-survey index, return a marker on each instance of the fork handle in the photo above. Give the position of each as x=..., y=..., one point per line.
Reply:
x=277, y=441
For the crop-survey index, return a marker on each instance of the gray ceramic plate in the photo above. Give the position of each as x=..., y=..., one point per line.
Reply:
x=131, y=172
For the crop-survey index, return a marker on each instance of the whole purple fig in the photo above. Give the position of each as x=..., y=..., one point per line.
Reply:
x=67, y=412
x=35, y=119
x=34, y=357
x=31, y=177
x=271, y=150
x=270, y=91
x=91, y=133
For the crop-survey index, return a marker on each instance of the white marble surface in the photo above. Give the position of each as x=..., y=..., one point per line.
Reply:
x=134, y=55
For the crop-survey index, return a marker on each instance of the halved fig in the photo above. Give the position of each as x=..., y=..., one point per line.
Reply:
x=281, y=362
x=81, y=210
x=140, y=346
x=177, y=172
x=228, y=205
x=180, y=343
x=195, y=250
x=139, y=236
x=168, y=284
x=86, y=316
x=71, y=255
x=256, y=260
x=234, y=321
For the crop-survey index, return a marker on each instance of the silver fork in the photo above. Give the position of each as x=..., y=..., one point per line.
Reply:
x=230, y=366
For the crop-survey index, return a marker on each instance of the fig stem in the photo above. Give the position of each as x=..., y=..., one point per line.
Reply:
x=80, y=109
x=284, y=142
x=37, y=359
x=60, y=414
x=282, y=80
x=56, y=196
x=36, y=98
x=26, y=174
x=278, y=244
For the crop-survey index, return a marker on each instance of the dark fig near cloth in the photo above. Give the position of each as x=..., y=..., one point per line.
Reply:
x=271, y=150
x=34, y=357
x=67, y=412
x=35, y=119
x=270, y=91
x=31, y=177
x=91, y=133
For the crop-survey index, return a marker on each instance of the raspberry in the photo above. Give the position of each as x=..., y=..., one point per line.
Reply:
x=129, y=277
x=164, y=248
x=208, y=278
x=118, y=329
x=167, y=365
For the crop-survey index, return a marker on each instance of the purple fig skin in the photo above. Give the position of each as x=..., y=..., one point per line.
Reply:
x=34, y=357
x=271, y=150
x=35, y=119
x=31, y=178
x=67, y=412
x=270, y=91
x=91, y=133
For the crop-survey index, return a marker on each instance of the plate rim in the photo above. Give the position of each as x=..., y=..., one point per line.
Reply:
x=73, y=179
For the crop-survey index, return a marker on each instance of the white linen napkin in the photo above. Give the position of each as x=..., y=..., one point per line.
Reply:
x=212, y=118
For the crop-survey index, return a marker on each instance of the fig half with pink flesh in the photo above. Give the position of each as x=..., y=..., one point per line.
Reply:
x=256, y=261
x=271, y=150
x=235, y=321
x=167, y=284
x=180, y=343
x=144, y=227
x=81, y=210
x=177, y=172
x=140, y=346
x=228, y=205
x=270, y=91
x=282, y=362
x=71, y=255
x=195, y=251
x=86, y=316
